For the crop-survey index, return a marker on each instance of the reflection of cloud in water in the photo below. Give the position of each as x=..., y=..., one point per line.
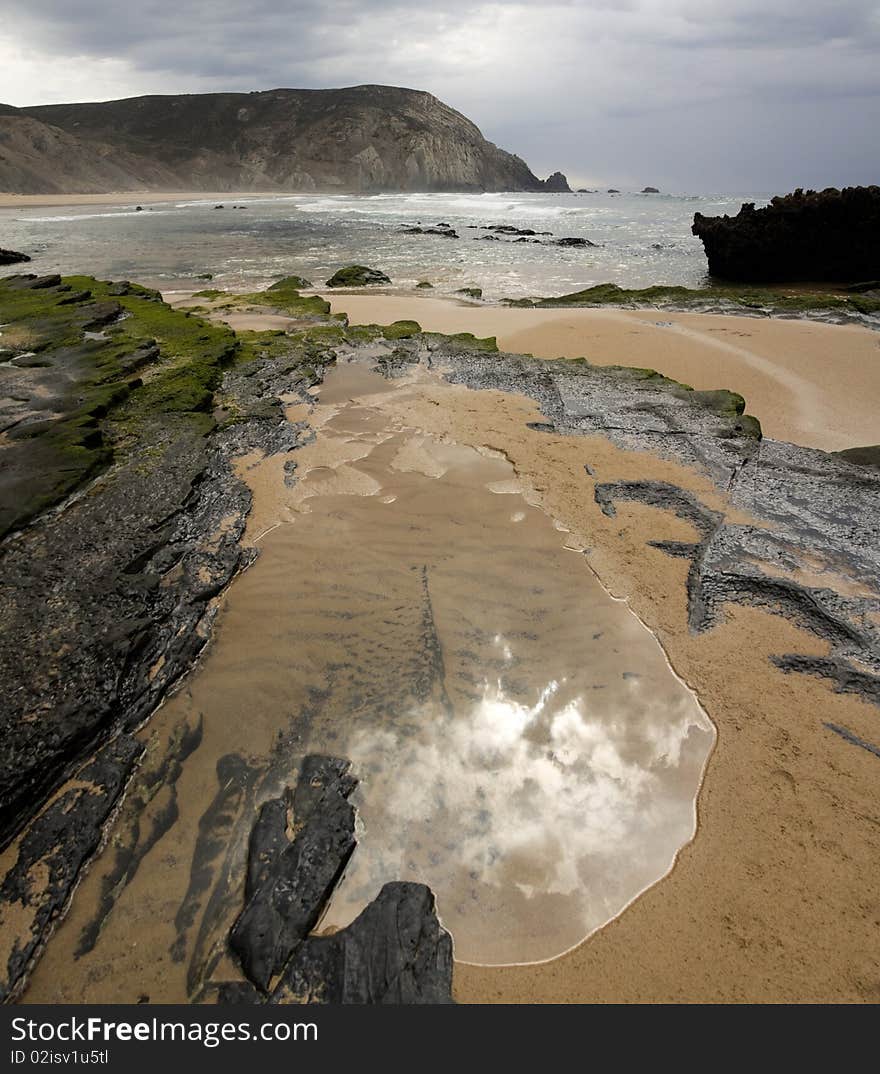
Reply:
x=582, y=799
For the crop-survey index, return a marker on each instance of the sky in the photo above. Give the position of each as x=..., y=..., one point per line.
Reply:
x=687, y=95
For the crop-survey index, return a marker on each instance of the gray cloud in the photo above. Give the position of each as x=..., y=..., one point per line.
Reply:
x=688, y=94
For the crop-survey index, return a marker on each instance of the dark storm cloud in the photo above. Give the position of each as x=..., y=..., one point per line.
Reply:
x=686, y=93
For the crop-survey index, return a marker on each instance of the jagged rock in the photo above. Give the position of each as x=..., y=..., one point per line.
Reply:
x=470, y=292
x=833, y=235
x=395, y=951
x=573, y=241
x=650, y=190
x=556, y=184
x=12, y=257
x=290, y=883
x=357, y=276
x=61, y=839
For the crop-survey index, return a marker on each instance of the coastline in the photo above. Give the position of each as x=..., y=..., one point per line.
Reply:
x=780, y=366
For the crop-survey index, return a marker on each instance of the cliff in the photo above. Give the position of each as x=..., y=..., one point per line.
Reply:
x=360, y=139
x=832, y=235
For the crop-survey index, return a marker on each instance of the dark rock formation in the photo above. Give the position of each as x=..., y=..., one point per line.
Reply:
x=572, y=242
x=556, y=184
x=833, y=235
x=470, y=292
x=12, y=257
x=441, y=229
x=394, y=952
x=611, y=190
x=362, y=138
x=424, y=285
x=56, y=847
x=357, y=276
x=290, y=883
x=650, y=190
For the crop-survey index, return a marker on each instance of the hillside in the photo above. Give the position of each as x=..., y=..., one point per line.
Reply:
x=360, y=139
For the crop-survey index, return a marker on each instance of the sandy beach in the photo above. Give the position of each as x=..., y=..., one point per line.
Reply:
x=812, y=384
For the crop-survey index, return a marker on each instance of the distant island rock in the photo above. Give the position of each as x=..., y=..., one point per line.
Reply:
x=650, y=190
x=361, y=139
x=832, y=235
x=556, y=184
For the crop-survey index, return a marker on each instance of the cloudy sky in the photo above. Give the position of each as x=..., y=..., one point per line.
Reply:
x=703, y=95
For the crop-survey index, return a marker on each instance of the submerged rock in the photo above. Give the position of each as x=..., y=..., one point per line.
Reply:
x=470, y=292
x=12, y=257
x=572, y=241
x=357, y=276
x=832, y=235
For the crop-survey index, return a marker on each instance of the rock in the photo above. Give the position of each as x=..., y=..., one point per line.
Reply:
x=219, y=206
x=357, y=276
x=290, y=883
x=830, y=236
x=395, y=951
x=424, y=285
x=611, y=190
x=297, y=283
x=55, y=848
x=138, y=208
x=572, y=242
x=650, y=190
x=861, y=456
x=12, y=257
x=205, y=276
x=556, y=184
x=440, y=229
x=470, y=292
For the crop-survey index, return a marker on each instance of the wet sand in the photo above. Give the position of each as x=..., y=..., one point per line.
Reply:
x=811, y=384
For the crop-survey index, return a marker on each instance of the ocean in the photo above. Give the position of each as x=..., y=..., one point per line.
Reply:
x=640, y=240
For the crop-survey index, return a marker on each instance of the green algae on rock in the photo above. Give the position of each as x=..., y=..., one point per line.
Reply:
x=717, y=299
x=357, y=276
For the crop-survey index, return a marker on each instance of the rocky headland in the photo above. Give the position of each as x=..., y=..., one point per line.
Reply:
x=359, y=139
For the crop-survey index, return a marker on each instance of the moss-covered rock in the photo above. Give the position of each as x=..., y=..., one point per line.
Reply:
x=357, y=276
x=744, y=298
x=291, y=283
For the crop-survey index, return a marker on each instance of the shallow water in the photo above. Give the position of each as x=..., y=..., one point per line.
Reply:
x=523, y=745
x=641, y=239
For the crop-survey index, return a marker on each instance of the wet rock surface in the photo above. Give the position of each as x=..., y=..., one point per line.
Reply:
x=827, y=235
x=395, y=952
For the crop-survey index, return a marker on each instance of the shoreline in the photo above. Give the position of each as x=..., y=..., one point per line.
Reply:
x=780, y=366
x=126, y=197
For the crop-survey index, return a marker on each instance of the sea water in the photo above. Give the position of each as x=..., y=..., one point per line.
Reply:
x=640, y=240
